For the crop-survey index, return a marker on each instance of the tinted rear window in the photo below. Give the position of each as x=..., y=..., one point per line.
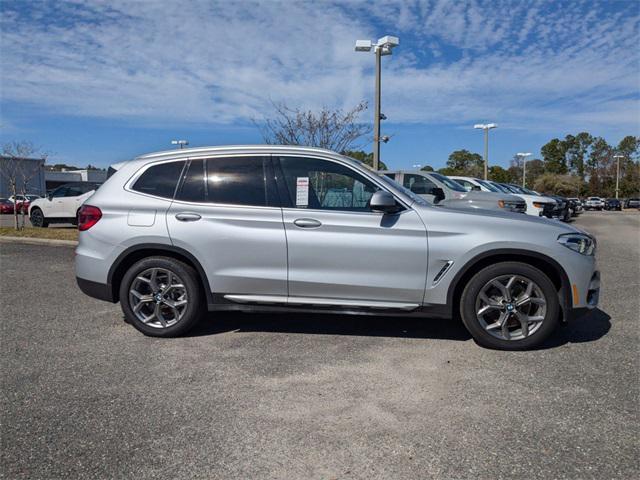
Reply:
x=193, y=187
x=160, y=180
x=237, y=181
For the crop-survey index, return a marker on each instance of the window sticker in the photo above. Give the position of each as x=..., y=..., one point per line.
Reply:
x=302, y=191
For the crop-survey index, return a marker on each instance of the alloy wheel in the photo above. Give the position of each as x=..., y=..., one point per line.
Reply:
x=511, y=307
x=158, y=297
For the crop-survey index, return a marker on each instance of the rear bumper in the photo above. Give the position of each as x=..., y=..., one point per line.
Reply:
x=101, y=291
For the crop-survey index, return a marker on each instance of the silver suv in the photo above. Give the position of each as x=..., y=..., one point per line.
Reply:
x=171, y=235
x=441, y=190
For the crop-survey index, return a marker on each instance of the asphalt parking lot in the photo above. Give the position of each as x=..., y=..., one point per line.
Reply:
x=313, y=396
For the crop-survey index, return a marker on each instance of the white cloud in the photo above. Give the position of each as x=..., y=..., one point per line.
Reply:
x=221, y=62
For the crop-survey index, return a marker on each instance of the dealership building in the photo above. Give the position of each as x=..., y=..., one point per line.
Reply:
x=54, y=178
x=29, y=170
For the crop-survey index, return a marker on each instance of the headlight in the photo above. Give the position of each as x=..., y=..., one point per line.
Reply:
x=578, y=242
x=538, y=204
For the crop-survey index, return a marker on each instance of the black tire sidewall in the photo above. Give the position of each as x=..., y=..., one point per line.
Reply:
x=470, y=293
x=190, y=280
x=44, y=221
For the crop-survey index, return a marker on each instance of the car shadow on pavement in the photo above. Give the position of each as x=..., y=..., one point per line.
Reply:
x=332, y=324
x=593, y=326
x=589, y=328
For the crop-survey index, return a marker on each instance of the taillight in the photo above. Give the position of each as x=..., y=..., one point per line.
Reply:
x=88, y=216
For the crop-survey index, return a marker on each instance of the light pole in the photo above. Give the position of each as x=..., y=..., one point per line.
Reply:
x=486, y=127
x=381, y=48
x=182, y=143
x=524, y=166
x=618, y=157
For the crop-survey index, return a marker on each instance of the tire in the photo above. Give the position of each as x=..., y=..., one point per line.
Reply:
x=153, y=303
x=513, y=336
x=37, y=218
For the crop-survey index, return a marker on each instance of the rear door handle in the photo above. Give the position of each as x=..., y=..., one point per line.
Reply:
x=307, y=223
x=188, y=217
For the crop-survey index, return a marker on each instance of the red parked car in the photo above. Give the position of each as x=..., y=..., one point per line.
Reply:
x=6, y=206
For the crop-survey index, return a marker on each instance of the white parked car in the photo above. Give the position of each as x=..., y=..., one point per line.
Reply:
x=535, y=203
x=61, y=205
x=594, y=203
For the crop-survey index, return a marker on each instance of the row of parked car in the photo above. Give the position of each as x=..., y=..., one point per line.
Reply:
x=469, y=192
x=20, y=203
x=598, y=203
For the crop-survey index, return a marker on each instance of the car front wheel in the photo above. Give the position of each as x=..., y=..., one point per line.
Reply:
x=510, y=306
x=161, y=297
x=37, y=218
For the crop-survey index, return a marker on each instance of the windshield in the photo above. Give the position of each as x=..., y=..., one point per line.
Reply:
x=453, y=185
x=416, y=198
x=487, y=185
x=499, y=187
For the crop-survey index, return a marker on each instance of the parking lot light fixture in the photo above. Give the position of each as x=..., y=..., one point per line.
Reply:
x=383, y=46
x=486, y=127
x=524, y=156
x=618, y=157
x=182, y=143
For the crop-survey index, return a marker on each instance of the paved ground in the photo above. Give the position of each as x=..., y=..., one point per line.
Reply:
x=256, y=396
x=7, y=220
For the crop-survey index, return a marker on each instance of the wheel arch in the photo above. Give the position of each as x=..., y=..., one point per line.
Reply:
x=138, y=252
x=542, y=262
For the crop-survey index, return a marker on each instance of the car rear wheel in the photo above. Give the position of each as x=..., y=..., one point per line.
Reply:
x=161, y=297
x=510, y=306
x=37, y=218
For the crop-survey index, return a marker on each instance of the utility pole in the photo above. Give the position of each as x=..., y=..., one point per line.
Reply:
x=618, y=157
x=524, y=166
x=486, y=127
x=381, y=48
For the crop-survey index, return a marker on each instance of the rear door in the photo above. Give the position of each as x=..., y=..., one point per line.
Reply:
x=226, y=213
x=338, y=249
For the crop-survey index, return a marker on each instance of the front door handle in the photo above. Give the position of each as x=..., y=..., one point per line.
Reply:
x=188, y=217
x=307, y=223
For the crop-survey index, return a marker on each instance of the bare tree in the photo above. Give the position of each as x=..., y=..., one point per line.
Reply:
x=331, y=129
x=19, y=172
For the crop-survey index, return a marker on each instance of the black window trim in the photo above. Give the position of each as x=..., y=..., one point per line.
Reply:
x=282, y=187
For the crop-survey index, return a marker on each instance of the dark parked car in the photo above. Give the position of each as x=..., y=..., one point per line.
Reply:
x=613, y=204
x=632, y=203
x=562, y=210
x=6, y=205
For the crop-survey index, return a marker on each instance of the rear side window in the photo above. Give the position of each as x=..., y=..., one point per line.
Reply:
x=239, y=181
x=74, y=191
x=160, y=180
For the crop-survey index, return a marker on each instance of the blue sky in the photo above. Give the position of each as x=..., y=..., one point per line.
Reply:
x=97, y=81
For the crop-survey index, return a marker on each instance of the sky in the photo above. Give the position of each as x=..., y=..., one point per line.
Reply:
x=97, y=82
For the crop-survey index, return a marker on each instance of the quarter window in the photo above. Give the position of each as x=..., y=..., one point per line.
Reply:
x=324, y=185
x=160, y=180
x=418, y=184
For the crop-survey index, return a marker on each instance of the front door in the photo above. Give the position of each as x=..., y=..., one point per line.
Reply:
x=337, y=247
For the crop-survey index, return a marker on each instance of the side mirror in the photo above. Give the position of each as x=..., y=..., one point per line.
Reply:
x=50, y=196
x=384, y=202
x=438, y=193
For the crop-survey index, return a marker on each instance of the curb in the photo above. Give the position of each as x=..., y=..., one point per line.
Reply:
x=38, y=241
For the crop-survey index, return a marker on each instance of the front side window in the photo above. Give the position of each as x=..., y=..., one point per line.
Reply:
x=418, y=184
x=74, y=191
x=59, y=192
x=160, y=180
x=324, y=185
